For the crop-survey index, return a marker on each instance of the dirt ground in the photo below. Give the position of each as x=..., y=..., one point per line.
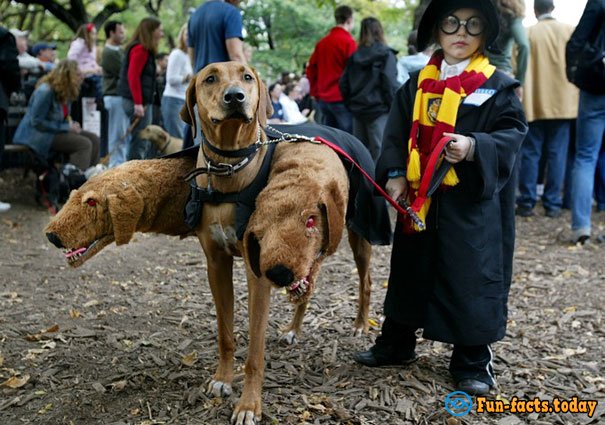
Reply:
x=130, y=337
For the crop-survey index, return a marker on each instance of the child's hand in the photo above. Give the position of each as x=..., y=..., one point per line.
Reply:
x=397, y=188
x=457, y=149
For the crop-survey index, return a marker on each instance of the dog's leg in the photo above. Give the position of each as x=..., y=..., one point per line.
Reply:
x=293, y=330
x=362, y=252
x=248, y=410
x=220, y=277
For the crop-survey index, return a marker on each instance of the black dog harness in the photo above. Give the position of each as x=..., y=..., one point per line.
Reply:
x=244, y=200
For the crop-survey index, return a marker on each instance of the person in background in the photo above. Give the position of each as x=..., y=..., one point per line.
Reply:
x=83, y=50
x=275, y=93
x=46, y=53
x=117, y=121
x=292, y=114
x=511, y=32
x=414, y=61
x=137, y=82
x=30, y=66
x=10, y=81
x=161, y=63
x=325, y=68
x=215, y=33
x=452, y=278
x=368, y=85
x=590, y=125
x=47, y=126
x=178, y=74
x=549, y=117
x=305, y=103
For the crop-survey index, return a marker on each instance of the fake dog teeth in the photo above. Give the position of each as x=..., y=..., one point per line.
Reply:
x=299, y=287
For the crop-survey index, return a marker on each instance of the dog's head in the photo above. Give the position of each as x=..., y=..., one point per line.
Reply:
x=155, y=134
x=289, y=235
x=101, y=211
x=227, y=94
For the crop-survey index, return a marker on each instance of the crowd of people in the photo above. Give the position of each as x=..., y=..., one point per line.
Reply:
x=503, y=125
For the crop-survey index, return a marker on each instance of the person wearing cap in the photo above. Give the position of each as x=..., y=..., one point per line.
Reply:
x=27, y=63
x=46, y=53
x=451, y=268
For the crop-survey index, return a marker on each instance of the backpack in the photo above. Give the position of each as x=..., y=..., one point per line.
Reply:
x=586, y=69
x=53, y=185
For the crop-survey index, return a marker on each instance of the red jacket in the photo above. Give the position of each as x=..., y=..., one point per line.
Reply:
x=328, y=62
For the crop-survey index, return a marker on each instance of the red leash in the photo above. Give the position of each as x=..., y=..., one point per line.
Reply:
x=426, y=183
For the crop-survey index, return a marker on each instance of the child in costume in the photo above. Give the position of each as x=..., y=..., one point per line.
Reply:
x=451, y=277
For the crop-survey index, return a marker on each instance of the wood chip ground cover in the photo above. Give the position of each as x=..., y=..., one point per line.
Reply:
x=130, y=337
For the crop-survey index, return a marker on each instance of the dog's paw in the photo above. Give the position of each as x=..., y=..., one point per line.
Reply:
x=289, y=338
x=244, y=417
x=219, y=389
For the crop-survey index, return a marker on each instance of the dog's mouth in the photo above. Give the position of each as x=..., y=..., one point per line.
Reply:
x=77, y=256
x=299, y=289
x=236, y=115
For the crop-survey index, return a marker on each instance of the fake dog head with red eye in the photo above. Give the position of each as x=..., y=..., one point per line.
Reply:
x=288, y=241
x=101, y=211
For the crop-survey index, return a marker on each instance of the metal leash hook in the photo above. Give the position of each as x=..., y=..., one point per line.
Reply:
x=408, y=209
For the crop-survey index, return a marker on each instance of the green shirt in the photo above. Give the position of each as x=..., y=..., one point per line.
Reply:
x=503, y=61
x=111, y=61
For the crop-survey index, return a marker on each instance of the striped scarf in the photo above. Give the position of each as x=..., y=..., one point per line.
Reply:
x=435, y=112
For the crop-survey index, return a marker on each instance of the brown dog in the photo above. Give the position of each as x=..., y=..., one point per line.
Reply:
x=137, y=196
x=164, y=143
x=233, y=106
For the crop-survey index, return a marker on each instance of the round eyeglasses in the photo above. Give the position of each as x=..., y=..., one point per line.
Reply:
x=474, y=25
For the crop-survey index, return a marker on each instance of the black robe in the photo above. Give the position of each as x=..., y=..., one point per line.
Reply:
x=454, y=278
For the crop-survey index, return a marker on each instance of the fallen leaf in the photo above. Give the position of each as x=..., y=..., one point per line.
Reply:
x=189, y=359
x=1, y=360
x=74, y=314
x=91, y=303
x=119, y=385
x=15, y=382
x=45, y=409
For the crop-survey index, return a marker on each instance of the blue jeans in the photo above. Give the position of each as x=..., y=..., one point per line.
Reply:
x=370, y=132
x=589, y=137
x=138, y=148
x=173, y=124
x=336, y=114
x=117, y=124
x=552, y=137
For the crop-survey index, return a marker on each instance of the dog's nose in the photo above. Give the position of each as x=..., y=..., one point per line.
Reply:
x=234, y=96
x=281, y=275
x=55, y=240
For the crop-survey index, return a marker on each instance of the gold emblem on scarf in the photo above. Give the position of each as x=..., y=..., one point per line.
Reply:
x=433, y=109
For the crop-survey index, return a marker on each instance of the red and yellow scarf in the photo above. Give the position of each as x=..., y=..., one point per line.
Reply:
x=435, y=112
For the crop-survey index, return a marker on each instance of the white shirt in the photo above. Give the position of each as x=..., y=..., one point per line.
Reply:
x=292, y=114
x=448, y=71
x=179, y=66
x=27, y=61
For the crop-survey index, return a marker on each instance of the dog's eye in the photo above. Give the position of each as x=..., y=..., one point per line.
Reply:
x=310, y=222
x=248, y=77
x=91, y=202
x=210, y=79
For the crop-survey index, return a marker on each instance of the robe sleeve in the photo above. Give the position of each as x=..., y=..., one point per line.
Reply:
x=397, y=132
x=496, y=149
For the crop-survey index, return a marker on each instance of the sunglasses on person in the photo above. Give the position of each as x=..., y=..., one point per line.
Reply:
x=451, y=24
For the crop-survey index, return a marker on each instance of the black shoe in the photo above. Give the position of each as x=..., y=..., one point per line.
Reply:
x=524, y=211
x=583, y=239
x=473, y=387
x=380, y=355
x=552, y=213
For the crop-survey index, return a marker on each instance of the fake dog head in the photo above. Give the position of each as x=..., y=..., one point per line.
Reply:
x=93, y=217
x=230, y=97
x=289, y=235
x=144, y=195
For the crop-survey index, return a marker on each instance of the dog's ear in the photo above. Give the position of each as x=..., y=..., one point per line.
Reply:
x=125, y=210
x=333, y=209
x=264, y=108
x=252, y=252
x=188, y=110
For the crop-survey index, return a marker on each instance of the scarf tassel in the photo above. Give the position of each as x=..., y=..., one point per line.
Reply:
x=413, y=172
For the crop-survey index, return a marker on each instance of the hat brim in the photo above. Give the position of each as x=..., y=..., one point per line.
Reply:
x=439, y=8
